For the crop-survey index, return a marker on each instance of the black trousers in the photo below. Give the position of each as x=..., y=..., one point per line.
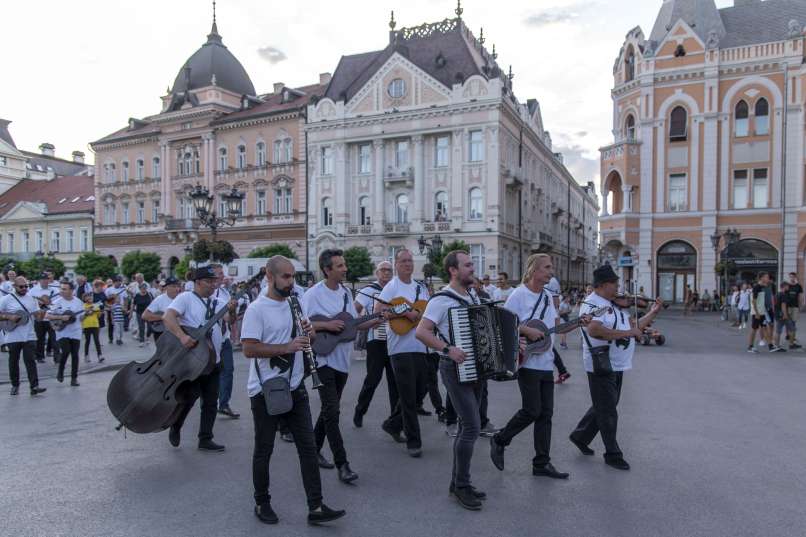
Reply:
x=377, y=363
x=299, y=422
x=327, y=425
x=91, y=333
x=69, y=347
x=558, y=363
x=45, y=339
x=110, y=326
x=537, y=407
x=409, y=375
x=602, y=416
x=206, y=388
x=28, y=350
x=431, y=383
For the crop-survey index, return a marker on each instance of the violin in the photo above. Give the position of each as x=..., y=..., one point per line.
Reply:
x=147, y=397
x=628, y=301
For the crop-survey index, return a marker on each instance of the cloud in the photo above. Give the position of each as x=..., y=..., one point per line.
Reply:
x=557, y=15
x=581, y=134
x=271, y=54
x=582, y=164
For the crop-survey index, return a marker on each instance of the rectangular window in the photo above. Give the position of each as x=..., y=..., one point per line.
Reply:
x=289, y=151
x=222, y=208
x=441, y=151
x=141, y=212
x=760, y=188
x=261, y=202
x=740, y=193
x=364, y=158
x=125, y=172
x=476, y=146
x=477, y=255
x=402, y=155
x=140, y=170
x=155, y=168
x=762, y=125
x=10, y=243
x=278, y=151
x=55, y=240
x=288, y=200
x=677, y=192
x=155, y=211
x=742, y=126
x=70, y=240
x=3, y=161
x=282, y=200
x=85, y=240
x=26, y=241
x=40, y=241
x=124, y=207
x=327, y=161
x=222, y=159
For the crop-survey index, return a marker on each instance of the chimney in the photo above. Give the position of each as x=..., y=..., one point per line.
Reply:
x=278, y=87
x=324, y=78
x=48, y=150
x=78, y=157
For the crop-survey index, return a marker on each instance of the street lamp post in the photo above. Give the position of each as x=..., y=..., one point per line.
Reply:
x=434, y=246
x=730, y=237
x=203, y=203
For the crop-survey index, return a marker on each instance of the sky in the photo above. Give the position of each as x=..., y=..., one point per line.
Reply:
x=76, y=71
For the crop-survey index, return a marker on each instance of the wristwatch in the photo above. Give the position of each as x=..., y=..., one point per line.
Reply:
x=445, y=349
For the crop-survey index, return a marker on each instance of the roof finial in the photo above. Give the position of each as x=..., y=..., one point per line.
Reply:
x=459, y=9
x=494, y=54
x=510, y=76
x=392, y=22
x=481, y=36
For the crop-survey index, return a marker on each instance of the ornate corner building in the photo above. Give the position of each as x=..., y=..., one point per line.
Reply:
x=709, y=137
x=426, y=137
x=214, y=130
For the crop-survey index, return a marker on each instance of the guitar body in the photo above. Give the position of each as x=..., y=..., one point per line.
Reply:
x=59, y=324
x=538, y=346
x=401, y=325
x=8, y=326
x=325, y=342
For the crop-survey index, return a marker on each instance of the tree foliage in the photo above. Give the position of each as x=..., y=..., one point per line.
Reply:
x=183, y=266
x=219, y=251
x=435, y=259
x=272, y=250
x=147, y=263
x=93, y=265
x=33, y=268
x=359, y=263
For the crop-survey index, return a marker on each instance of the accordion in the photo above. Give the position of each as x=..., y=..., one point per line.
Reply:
x=380, y=332
x=489, y=337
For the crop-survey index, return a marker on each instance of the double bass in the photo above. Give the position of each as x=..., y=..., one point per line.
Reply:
x=147, y=397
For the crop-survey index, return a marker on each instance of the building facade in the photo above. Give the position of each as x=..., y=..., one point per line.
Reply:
x=216, y=131
x=709, y=137
x=426, y=137
x=48, y=217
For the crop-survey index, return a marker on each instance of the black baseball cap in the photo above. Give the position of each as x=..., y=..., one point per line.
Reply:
x=204, y=272
x=170, y=280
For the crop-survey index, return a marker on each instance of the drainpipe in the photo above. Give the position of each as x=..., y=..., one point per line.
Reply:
x=783, y=176
x=307, y=194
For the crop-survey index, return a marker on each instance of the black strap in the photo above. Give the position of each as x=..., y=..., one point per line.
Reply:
x=20, y=303
x=208, y=312
x=346, y=301
x=585, y=335
x=545, y=301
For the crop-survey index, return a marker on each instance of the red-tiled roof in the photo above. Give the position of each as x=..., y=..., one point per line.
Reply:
x=62, y=195
x=274, y=103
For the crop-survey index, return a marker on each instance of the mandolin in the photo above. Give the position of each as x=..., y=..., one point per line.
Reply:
x=325, y=341
x=8, y=325
x=543, y=344
x=59, y=324
x=401, y=325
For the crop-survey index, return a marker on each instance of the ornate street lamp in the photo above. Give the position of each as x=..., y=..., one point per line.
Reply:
x=203, y=204
x=434, y=245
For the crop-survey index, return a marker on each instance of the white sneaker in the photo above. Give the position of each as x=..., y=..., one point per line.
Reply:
x=762, y=343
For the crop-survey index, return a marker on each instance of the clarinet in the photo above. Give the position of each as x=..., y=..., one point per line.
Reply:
x=307, y=352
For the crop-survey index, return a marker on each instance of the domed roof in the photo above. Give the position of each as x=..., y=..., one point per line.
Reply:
x=213, y=59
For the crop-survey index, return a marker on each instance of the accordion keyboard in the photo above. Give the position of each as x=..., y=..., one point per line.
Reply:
x=462, y=333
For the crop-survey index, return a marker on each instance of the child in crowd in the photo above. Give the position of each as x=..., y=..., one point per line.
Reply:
x=90, y=325
x=118, y=318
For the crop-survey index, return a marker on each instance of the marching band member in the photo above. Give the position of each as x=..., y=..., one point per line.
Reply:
x=22, y=339
x=157, y=308
x=70, y=310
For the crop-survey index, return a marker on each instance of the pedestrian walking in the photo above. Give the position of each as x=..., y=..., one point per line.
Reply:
x=140, y=302
x=21, y=340
x=793, y=300
x=90, y=326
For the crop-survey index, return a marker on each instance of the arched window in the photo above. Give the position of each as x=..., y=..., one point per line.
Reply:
x=363, y=211
x=680, y=51
x=678, y=126
x=241, y=157
x=441, y=207
x=278, y=151
x=260, y=154
x=762, y=117
x=155, y=168
x=629, y=128
x=139, y=169
x=402, y=209
x=222, y=159
x=629, y=65
x=327, y=212
x=196, y=161
x=475, y=204
x=125, y=168
x=110, y=173
x=742, y=119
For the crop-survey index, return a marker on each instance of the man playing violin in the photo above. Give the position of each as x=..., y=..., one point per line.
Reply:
x=536, y=375
x=607, y=351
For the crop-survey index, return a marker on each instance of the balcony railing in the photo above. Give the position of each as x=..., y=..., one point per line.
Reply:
x=436, y=226
x=397, y=228
x=178, y=224
x=359, y=230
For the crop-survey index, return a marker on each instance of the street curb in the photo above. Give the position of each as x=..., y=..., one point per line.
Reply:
x=99, y=369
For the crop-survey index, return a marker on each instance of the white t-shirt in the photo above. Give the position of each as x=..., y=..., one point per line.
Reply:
x=116, y=291
x=412, y=292
x=615, y=319
x=522, y=303
x=502, y=294
x=490, y=290
x=269, y=321
x=26, y=331
x=72, y=330
x=190, y=286
x=744, y=299
x=160, y=304
x=192, y=310
x=438, y=306
x=321, y=300
x=368, y=303
x=37, y=291
x=7, y=286
x=553, y=286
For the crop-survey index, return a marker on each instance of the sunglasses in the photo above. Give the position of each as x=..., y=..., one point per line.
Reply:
x=21, y=286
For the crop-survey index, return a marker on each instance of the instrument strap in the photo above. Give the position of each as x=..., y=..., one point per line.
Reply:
x=223, y=323
x=460, y=300
x=346, y=301
x=585, y=335
x=545, y=301
x=20, y=303
x=208, y=312
x=289, y=357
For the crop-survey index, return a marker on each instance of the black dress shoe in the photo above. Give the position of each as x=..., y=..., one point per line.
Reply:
x=396, y=436
x=497, y=453
x=358, y=419
x=60, y=377
x=287, y=437
x=15, y=390
x=415, y=452
x=209, y=445
x=346, y=475
x=174, y=437
x=481, y=495
x=549, y=471
x=580, y=446
x=74, y=382
x=323, y=513
x=466, y=498
x=423, y=412
x=227, y=411
x=266, y=514
x=441, y=413
x=36, y=390
x=323, y=462
x=618, y=463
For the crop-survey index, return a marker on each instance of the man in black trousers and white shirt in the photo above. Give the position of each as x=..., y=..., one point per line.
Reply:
x=21, y=340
